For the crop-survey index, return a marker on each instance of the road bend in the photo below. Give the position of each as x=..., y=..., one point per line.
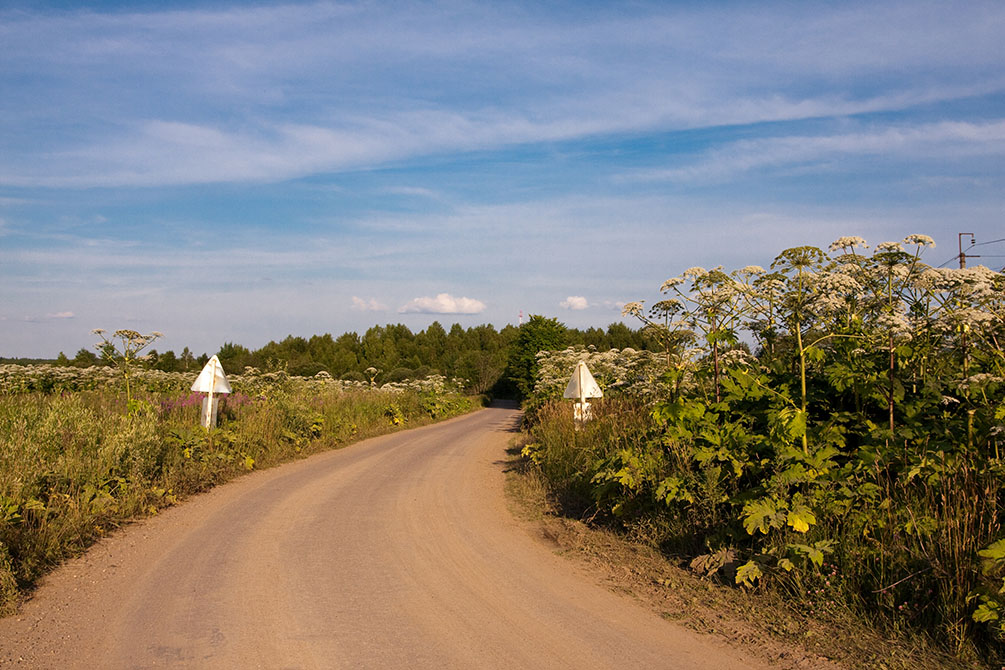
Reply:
x=397, y=552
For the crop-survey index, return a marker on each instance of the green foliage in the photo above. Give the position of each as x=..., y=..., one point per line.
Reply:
x=394, y=414
x=856, y=453
x=762, y=516
x=235, y=357
x=538, y=334
x=748, y=573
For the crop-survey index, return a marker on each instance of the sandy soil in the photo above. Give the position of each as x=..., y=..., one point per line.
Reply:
x=396, y=552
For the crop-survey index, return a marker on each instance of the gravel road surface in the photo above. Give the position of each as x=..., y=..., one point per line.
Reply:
x=397, y=552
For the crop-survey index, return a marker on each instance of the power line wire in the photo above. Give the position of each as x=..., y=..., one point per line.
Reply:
x=955, y=257
x=980, y=244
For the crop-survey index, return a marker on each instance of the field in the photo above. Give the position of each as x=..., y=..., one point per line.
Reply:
x=81, y=455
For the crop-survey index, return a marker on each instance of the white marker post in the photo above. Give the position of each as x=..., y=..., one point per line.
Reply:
x=211, y=381
x=582, y=386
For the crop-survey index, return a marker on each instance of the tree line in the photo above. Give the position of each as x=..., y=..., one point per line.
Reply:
x=493, y=360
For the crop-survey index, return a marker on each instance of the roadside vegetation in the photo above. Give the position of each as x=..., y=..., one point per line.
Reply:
x=91, y=442
x=828, y=430
x=82, y=452
x=479, y=354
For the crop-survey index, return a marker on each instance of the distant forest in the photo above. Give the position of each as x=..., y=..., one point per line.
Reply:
x=479, y=354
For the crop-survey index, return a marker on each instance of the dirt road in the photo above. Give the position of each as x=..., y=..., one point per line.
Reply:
x=397, y=552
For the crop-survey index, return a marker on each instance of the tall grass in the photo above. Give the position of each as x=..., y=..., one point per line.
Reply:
x=74, y=466
x=570, y=457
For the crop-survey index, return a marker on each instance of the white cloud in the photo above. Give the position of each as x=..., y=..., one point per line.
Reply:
x=61, y=315
x=370, y=305
x=443, y=303
x=574, y=302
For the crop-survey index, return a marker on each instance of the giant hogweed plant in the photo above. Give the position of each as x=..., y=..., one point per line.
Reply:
x=122, y=350
x=862, y=436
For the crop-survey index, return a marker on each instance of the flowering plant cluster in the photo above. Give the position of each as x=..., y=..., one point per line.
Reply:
x=46, y=378
x=844, y=407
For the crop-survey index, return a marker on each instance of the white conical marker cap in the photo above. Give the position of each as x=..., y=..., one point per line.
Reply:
x=582, y=384
x=212, y=379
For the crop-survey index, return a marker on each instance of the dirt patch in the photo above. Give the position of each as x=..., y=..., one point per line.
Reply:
x=759, y=623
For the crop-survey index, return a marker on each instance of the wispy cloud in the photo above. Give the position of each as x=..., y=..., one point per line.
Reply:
x=368, y=305
x=58, y=316
x=266, y=94
x=415, y=192
x=946, y=139
x=161, y=152
x=443, y=303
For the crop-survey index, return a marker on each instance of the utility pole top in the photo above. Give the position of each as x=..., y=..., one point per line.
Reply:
x=963, y=256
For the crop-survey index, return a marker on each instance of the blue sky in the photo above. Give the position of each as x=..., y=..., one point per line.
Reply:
x=239, y=172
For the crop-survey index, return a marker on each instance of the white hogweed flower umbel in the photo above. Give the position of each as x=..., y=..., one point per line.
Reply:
x=694, y=273
x=848, y=242
x=920, y=240
x=752, y=270
x=632, y=309
x=671, y=283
